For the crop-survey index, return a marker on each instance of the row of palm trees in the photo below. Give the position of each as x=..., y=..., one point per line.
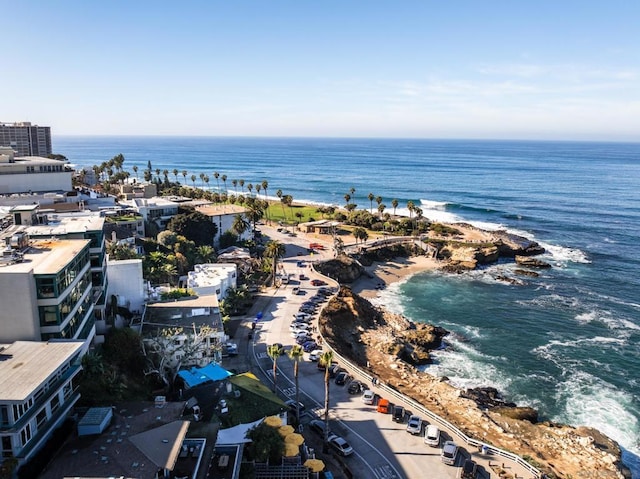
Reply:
x=296, y=354
x=350, y=206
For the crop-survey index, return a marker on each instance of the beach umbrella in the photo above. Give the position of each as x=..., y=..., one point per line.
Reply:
x=291, y=450
x=316, y=465
x=273, y=421
x=285, y=430
x=294, y=438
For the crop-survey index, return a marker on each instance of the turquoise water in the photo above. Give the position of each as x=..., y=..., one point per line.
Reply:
x=566, y=342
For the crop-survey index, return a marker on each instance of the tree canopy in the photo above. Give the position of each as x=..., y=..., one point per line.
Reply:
x=194, y=226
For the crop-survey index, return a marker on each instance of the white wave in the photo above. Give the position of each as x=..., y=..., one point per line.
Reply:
x=591, y=401
x=433, y=205
x=563, y=254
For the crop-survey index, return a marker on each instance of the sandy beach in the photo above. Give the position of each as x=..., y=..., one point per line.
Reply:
x=381, y=274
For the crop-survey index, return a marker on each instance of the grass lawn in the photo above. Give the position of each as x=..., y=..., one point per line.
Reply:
x=295, y=214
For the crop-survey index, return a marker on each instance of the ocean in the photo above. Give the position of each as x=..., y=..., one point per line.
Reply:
x=565, y=342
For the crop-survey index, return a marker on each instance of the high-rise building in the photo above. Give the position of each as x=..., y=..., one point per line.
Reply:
x=26, y=139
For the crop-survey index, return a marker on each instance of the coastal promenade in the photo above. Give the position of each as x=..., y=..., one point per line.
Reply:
x=381, y=446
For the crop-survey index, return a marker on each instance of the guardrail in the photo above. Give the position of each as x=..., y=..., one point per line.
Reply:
x=346, y=364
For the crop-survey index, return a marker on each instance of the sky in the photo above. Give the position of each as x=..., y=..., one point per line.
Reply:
x=556, y=70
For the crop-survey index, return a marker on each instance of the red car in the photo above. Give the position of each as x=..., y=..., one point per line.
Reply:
x=318, y=282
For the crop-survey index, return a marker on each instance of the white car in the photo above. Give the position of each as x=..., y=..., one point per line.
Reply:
x=300, y=326
x=341, y=446
x=414, y=425
x=432, y=436
x=297, y=332
x=368, y=396
x=315, y=355
x=449, y=453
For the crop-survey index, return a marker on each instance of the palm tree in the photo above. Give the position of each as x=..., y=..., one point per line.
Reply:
x=281, y=198
x=371, y=197
x=326, y=359
x=265, y=185
x=235, y=186
x=394, y=203
x=224, y=182
x=274, y=250
x=239, y=225
x=206, y=181
x=175, y=174
x=249, y=188
x=410, y=206
x=201, y=175
x=381, y=208
x=347, y=197
x=352, y=190
x=216, y=175
x=184, y=175
x=295, y=354
x=193, y=180
x=135, y=170
x=274, y=353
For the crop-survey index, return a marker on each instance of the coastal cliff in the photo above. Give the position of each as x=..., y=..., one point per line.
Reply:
x=390, y=347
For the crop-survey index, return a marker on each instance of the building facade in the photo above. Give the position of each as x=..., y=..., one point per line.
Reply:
x=223, y=217
x=32, y=174
x=37, y=393
x=213, y=278
x=26, y=139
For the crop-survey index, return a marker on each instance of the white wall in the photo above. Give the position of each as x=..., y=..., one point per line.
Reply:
x=22, y=183
x=19, y=320
x=125, y=279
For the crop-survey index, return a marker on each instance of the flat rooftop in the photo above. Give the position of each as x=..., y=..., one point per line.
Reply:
x=64, y=224
x=25, y=365
x=218, y=210
x=47, y=256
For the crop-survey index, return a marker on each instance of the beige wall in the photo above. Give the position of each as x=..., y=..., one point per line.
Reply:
x=19, y=319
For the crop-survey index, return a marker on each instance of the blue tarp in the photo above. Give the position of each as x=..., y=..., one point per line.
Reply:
x=197, y=376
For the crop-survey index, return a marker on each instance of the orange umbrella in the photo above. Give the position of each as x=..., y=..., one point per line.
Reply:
x=285, y=430
x=316, y=465
x=273, y=421
x=291, y=450
x=294, y=438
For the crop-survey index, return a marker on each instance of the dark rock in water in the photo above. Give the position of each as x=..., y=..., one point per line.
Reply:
x=526, y=272
x=523, y=413
x=513, y=281
x=531, y=262
x=486, y=397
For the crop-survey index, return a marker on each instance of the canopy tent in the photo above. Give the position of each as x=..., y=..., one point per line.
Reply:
x=236, y=434
x=162, y=444
x=196, y=376
x=316, y=465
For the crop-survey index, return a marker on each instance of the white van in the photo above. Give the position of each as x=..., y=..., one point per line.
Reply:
x=432, y=436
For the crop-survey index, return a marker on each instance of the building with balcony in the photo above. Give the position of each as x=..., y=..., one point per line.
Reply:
x=22, y=174
x=223, y=217
x=26, y=139
x=37, y=392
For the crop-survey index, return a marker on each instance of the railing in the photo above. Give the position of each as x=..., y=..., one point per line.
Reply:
x=346, y=364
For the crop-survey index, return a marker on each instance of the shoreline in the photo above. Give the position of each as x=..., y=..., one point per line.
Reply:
x=382, y=274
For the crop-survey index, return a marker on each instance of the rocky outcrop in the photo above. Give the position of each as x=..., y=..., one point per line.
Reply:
x=531, y=262
x=381, y=343
x=344, y=269
x=511, y=245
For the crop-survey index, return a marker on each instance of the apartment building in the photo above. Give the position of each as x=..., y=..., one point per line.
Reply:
x=32, y=174
x=37, y=392
x=26, y=139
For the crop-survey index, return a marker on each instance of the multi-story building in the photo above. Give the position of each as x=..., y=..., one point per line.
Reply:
x=26, y=139
x=213, y=278
x=223, y=217
x=32, y=174
x=37, y=391
x=53, y=280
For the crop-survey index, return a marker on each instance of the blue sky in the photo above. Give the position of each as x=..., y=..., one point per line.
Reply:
x=416, y=69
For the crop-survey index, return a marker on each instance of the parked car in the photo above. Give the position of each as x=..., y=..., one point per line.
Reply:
x=315, y=355
x=432, y=436
x=318, y=282
x=356, y=387
x=318, y=426
x=414, y=425
x=230, y=349
x=302, y=277
x=291, y=404
x=298, y=332
x=449, y=453
x=341, y=378
x=368, y=397
x=300, y=325
x=309, y=346
x=303, y=338
x=322, y=366
x=334, y=369
x=383, y=406
x=469, y=469
x=341, y=446
x=398, y=414
x=295, y=290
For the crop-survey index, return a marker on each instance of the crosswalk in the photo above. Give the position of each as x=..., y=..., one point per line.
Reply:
x=384, y=472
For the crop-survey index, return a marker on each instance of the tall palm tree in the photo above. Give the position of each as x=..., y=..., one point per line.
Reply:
x=265, y=185
x=371, y=197
x=135, y=170
x=206, y=181
x=381, y=208
x=184, y=175
x=347, y=197
x=280, y=196
x=193, y=180
x=201, y=176
x=241, y=182
x=175, y=174
x=239, y=225
x=274, y=353
x=326, y=359
x=274, y=250
x=224, y=182
x=249, y=188
x=410, y=206
x=216, y=175
x=295, y=354
x=395, y=204
x=235, y=186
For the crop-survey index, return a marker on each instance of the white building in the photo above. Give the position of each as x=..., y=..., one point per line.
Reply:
x=37, y=391
x=127, y=284
x=32, y=174
x=213, y=278
x=223, y=217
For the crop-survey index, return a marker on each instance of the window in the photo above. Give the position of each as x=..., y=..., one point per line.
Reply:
x=41, y=418
x=25, y=435
x=7, y=450
x=4, y=415
x=55, y=403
